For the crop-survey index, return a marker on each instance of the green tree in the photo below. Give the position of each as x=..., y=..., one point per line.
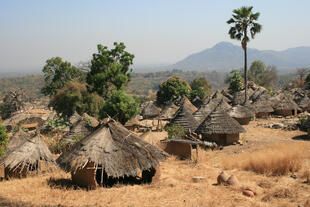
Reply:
x=75, y=97
x=13, y=101
x=109, y=69
x=57, y=74
x=175, y=131
x=234, y=80
x=244, y=21
x=119, y=106
x=3, y=139
x=308, y=81
x=263, y=75
x=200, y=87
x=172, y=89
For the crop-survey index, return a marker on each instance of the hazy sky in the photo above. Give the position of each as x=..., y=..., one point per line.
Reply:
x=156, y=31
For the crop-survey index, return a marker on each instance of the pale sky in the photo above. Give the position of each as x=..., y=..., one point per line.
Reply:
x=155, y=31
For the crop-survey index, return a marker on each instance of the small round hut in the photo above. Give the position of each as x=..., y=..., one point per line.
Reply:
x=261, y=109
x=26, y=157
x=241, y=113
x=220, y=128
x=150, y=111
x=287, y=107
x=109, y=155
x=18, y=138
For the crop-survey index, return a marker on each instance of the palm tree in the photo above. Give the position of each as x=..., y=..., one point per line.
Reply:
x=244, y=21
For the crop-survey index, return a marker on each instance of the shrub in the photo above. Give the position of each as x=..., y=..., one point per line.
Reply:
x=302, y=120
x=275, y=160
x=3, y=140
x=175, y=131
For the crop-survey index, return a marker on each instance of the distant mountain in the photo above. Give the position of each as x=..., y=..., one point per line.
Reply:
x=226, y=56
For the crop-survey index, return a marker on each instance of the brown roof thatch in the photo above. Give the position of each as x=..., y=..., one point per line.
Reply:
x=168, y=111
x=286, y=104
x=28, y=154
x=303, y=102
x=132, y=122
x=114, y=148
x=240, y=112
x=206, y=109
x=184, y=117
x=197, y=102
x=261, y=107
x=219, y=95
x=17, y=139
x=74, y=118
x=222, y=106
x=151, y=137
x=219, y=123
x=92, y=121
x=150, y=110
x=227, y=95
x=189, y=103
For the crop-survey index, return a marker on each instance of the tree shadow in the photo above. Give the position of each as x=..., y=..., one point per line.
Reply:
x=302, y=137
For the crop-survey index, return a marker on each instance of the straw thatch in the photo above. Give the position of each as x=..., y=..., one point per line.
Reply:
x=261, y=107
x=219, y=122
x=219, y=95
x=27, y=155
x=168, y=111
x=240, y=111
x=118, y=151
x=184, y=117
x=150, y=111
x=227, y=95
x=286, y=104
x=92, y=121
x=187, y=101
x=303, y=102
x=151, y=138
x=134, y=122
x=206, y=109
x=222, y=106
x=197, y=102
x=74, y=118
x=18, y=138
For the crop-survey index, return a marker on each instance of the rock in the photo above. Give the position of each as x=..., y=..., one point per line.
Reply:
x=198, y=179
x=222, y=178
x=277, y=125
x=232, y=180
x=248, y=193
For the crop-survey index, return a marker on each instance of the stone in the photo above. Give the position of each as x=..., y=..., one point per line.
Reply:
x=248, y=193
x=232, y=180
x=222, y=178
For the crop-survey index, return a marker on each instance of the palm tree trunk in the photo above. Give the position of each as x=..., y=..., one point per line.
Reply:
x=245, y=76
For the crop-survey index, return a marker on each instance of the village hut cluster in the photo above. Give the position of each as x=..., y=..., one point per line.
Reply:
x=102, y=153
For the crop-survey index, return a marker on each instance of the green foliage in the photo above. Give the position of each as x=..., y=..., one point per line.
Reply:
x=302, y=120
x=15, y=129
x=263, y=75
x=57, y=74
x=88, y=121
x=3, y=140
x=109, y=69
x=171, y=90
x=235, y=81
x=59, y=123
x=119, y=106
x=75, y=97
x=175, y=131
x=24, y=129
x=12, y=102
x=200, y=87
x=308, y=81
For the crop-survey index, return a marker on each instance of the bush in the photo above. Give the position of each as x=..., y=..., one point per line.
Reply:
x=302, y=120
x=175, y=131
x=3, y=140
x=276, y=160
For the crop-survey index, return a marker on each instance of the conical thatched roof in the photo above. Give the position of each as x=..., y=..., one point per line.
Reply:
x=189, y=103
x=219, y=95
x=222, y=106
x=227, y=95
x=168, y=111
x=184, y=117
x=286, y=104
x=17, y=139
x=74, y=118
x=114, y=148
x=258, y=93
x=150, y=110
x=197, y=102
x=28, y=154
x=206, y=109
x=303, y=102
x=261, y=107
x=240, y=112
x=219, y=123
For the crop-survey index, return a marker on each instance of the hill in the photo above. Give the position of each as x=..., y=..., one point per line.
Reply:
x=226, y=56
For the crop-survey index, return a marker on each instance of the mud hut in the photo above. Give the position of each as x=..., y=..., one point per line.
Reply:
x=287, y=107
x=18, y=138
x=151, y=138
x=150, y=111
x=241, y=113
x=111, y=154
x=180, y=148
x=261, y=109
x=184, y=118
x=220, y=128
x=26, y=157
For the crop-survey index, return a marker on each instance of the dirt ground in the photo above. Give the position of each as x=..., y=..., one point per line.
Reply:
x=176, y=186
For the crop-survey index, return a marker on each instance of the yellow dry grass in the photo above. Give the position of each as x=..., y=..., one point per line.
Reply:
x=277, y=159
x=176, y=187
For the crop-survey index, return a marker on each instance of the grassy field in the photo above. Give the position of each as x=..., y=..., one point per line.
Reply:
x=267, y=149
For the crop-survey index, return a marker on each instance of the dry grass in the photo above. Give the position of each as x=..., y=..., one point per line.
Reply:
x=278, y=159
x=306, y=175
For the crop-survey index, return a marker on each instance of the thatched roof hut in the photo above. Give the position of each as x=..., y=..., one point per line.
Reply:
x=303, y=103
x=218, y=95
x=262, y=109
x=286, y=107
x=110, y=152
x=241, y=113
x=26, y=157
x=222, y=106
x=189, y=103
x=18, y=138
x=197, y=102
x=227, y=94
x=150, y=111
x=168, y=111
x=184, y=117
x=206, y=109
x=220, y=128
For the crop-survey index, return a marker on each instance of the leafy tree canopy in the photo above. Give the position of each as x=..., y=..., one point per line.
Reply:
x=109, y=69
x=200, y=87
x=119, y=106
x=57, y=73
x=3, y=139
x=172, y=89
x=263, y=75
x=235, y=81
x=75, y=97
